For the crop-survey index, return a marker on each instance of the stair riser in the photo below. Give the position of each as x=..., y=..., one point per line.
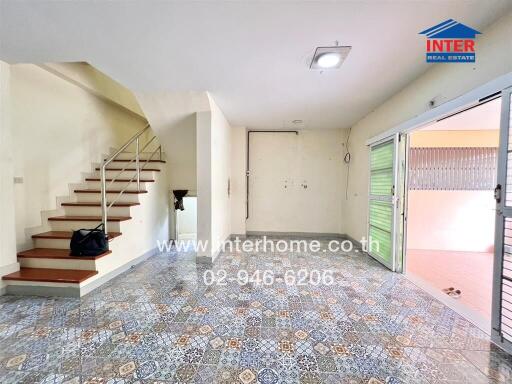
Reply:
x=122, y=164
x=57, y=263
x=114, y=226
x=96, y=197
x=51, y=243
x=131, y=155
x=95, y=211
x=60, y=243
x=117, y=186
x=126, y=174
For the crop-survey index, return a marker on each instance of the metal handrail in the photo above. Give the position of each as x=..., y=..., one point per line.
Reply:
x=105, y=206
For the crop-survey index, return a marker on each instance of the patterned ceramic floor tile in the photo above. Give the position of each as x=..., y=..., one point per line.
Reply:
x=161, y=323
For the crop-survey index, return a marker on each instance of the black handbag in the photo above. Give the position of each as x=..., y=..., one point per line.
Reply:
x=89, y=242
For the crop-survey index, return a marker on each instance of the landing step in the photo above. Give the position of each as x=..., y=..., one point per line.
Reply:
x=88, y=218
x=108, y=191
x=54, y=253
x=97, y=204
x=130, y=169
x=66, y=235
x=74, y=276
x=119, y=180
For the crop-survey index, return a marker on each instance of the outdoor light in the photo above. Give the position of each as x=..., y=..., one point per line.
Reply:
x=329, y=57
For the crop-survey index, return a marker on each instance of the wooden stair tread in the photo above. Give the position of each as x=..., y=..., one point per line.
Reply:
x=88, y=218
x=108, y=191
x=66, y=235
x=119, y=180
x=96, y=204
x=51, y=275
x=54, y=253
x=130, y=169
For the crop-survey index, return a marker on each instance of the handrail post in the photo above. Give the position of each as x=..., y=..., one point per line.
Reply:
x=104, y=197
x=137, y=160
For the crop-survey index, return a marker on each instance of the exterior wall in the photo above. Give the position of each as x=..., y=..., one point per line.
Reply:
x=8, y=262
x=455, y=139
x=457, y=220
x=59, y=131
x=442, y=82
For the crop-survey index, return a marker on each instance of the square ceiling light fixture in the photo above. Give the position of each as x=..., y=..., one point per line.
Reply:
x=329, y=57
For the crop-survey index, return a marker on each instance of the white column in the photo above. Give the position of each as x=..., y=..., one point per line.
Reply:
x=8, y=260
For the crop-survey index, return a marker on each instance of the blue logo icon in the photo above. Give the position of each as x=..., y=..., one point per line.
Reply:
x=450, y=42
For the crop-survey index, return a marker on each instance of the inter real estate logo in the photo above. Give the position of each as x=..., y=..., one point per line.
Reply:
x=450, y=42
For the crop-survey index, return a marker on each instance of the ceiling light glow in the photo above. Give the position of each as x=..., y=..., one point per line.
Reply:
x=328, y=60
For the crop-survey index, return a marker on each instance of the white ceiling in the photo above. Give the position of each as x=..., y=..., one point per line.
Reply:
x=252, y=57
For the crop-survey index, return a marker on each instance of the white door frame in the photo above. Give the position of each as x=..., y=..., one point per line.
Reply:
x=502, y=212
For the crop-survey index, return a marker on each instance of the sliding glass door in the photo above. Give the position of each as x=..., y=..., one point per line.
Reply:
x=502, y=281
x=382, y=218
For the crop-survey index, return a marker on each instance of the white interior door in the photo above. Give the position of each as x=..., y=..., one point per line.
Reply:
x=382, y=206
x=502, y=280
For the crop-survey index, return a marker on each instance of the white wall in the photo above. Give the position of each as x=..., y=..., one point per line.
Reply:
x=221, y=172
x=173, y=117
x=238, y=179
x=8, y=262
x=204, y=183
x=59, y=131
x=213, y=173
x=187, y=219
x=296, y=182
x=96, y=82
x=443, y=82
x=457, y=220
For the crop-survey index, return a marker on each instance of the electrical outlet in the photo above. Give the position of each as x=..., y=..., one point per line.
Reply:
x=18, y=180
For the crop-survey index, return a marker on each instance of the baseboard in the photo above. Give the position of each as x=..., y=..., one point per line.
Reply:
x=357, y=244
x=235, y=236
x=300, y=235
x=215, y=254
x=109, y=276
x=38, y=290
x=6, y=270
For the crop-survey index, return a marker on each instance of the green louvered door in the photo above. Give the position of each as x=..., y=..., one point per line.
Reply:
x=382, y=202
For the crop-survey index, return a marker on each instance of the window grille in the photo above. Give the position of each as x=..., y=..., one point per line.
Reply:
x=452, y=169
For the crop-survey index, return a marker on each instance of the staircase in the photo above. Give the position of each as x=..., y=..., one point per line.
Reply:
x=115, y=194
